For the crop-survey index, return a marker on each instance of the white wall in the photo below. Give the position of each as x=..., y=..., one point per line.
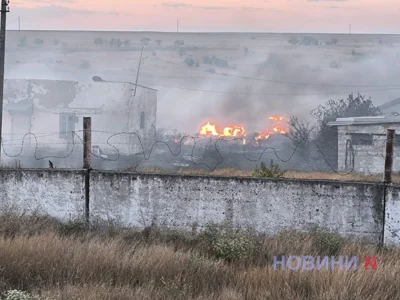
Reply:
x=111, y=106
x=58, y=193
x=368, y=159
x=265, y=205
x=180, y=202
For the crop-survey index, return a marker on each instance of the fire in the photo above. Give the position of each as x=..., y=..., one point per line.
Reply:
x=278, y=128
x=238, y=131
x=234, y=131
x=208, y=129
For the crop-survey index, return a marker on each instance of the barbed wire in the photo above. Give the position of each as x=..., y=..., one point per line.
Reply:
x=147, y=152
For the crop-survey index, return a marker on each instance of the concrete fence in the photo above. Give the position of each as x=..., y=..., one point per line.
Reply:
x=365, y=210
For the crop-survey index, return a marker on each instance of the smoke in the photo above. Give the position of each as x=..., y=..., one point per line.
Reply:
x=322, y=81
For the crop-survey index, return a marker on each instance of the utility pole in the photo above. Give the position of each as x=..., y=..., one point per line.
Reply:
x=138, y=70
x=4, y=10
x=389, y=156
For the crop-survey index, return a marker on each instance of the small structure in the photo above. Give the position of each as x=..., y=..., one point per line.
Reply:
x=361, y=143
x=53, y=111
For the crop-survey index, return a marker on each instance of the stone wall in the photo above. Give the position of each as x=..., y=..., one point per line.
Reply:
x=183, y=202
x=56, y=193
x=266, y=205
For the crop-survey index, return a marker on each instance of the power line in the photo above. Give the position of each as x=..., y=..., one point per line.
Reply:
x=289, y=82
x=271, y=94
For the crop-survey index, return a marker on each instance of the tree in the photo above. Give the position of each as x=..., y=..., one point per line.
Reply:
x=38, y=41
x=127, y=43
x=98, y=41
x=299, y=131
x=22, y=42
x=326, y=138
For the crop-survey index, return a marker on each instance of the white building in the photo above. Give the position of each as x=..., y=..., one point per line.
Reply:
x=123, y=117
x=362, y=143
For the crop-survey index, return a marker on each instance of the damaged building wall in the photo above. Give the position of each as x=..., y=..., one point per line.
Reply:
x=54, y=109
x=369, y=147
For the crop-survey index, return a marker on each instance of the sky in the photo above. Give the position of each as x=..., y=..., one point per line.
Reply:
x=319, y=16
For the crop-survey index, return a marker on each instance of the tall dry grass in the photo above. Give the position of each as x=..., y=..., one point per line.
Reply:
x=65, y=261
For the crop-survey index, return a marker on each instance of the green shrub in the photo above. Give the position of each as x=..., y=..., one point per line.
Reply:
x=327, y=242
x=20, y=295
x=230, y=244
x=273, y=171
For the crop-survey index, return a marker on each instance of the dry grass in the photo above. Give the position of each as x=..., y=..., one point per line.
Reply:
x=59, y=261
x=289, y=175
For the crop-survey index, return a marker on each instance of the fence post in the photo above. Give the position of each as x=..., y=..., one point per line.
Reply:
x=87, y=145
x=387, y=177
x=389, y=156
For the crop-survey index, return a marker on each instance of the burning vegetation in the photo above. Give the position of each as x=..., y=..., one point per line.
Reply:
x=279, y=127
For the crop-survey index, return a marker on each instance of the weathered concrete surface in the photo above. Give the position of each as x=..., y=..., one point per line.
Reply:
x=58, y=193
x=266, y=205
x=368, y=159
x=392, y=216
x=182, y=202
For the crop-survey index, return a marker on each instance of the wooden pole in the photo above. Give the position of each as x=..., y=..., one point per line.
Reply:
x=87, y=145
x=3, y=23
x=389, y=155
x=87, y=141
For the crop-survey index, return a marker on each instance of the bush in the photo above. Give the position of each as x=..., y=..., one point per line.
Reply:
x=293, y=41
x=145, y=41
x=98, y=41
x=72, y=228
x=230, y=245
x=22, y=42
x=39, y=41
x=178, y=43
x=215, y=61
x=326, y=242
x=273, y=171
x=309, y=40
x=85, y=65
x=190, y=61
x=20, y=295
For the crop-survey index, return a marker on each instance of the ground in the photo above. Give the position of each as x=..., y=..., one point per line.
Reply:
x=65, y=261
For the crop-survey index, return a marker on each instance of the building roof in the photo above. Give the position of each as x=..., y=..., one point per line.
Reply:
x=365, y=121
x=389, y=104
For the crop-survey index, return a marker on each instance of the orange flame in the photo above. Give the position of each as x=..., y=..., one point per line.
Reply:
x=208, y=129
x=211, y=129
x=238, y=131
